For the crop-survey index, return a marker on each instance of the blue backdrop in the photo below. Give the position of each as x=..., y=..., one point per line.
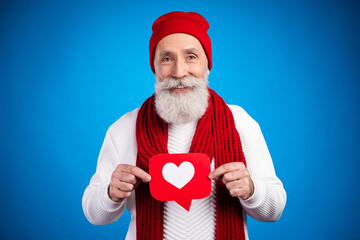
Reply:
x=69, y=69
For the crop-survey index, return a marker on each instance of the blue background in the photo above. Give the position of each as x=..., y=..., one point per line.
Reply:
x=69, y=69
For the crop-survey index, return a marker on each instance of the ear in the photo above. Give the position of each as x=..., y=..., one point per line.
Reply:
x=156, y=76
x=155, y=69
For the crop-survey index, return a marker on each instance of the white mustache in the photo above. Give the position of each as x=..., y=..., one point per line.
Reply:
x=171, y=82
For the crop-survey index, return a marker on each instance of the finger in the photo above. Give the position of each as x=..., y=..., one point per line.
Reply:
x=235, y=175
x=124, y=177
x=241, y=183
x=136, y=171
x=139, y=173
x=227, y=167
x=123, y=186
x=117, y=195
x=242, y=188
x=233, y=185
x=236, y=192
x=242, y=193
x=231, y=176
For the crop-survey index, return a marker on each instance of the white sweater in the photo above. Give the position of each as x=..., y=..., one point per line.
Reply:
x=266, y=204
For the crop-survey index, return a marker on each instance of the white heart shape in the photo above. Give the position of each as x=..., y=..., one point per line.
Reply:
x=178, y=176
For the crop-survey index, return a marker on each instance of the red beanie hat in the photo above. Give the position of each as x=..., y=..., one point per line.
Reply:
x=180, y=22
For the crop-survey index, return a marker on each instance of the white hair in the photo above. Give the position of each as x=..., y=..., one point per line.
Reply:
x=181, y=107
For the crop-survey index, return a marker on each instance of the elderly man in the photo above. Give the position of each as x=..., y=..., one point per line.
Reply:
x=184, y=116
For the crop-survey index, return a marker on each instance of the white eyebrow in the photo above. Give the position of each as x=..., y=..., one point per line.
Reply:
x=191, y=50
x=165, y=53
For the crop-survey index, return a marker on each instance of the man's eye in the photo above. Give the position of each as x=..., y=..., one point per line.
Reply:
x=166, y=59
x=191, y=57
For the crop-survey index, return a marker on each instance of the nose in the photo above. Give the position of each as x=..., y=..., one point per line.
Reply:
x=180, y=69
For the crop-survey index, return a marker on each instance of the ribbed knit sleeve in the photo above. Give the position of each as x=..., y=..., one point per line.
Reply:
x=98, y=208
x=118, y=147
x=269, y=198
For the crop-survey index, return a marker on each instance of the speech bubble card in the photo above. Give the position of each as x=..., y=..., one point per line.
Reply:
x=180, y=177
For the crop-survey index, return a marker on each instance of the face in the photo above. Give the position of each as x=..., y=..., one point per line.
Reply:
x=181, y=71
x=180, y=55
x=181, y=100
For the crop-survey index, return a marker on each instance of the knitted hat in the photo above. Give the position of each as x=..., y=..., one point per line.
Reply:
x=180, y=22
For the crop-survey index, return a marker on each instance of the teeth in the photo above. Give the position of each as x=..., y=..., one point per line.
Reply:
x=180, y=87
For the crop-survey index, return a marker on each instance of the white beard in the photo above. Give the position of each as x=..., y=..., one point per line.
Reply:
x=178, y=107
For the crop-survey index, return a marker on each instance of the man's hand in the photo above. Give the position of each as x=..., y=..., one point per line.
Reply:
x=124, y=180
x=237, y=179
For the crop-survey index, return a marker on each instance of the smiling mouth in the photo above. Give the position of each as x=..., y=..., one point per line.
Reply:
x=180, y=88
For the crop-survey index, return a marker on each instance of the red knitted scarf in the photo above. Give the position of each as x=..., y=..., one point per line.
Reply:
x=215, y=136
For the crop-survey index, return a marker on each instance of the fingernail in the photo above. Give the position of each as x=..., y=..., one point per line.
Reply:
x=148, y=178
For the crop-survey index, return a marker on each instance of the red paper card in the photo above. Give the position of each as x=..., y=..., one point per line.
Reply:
x=180, y=177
